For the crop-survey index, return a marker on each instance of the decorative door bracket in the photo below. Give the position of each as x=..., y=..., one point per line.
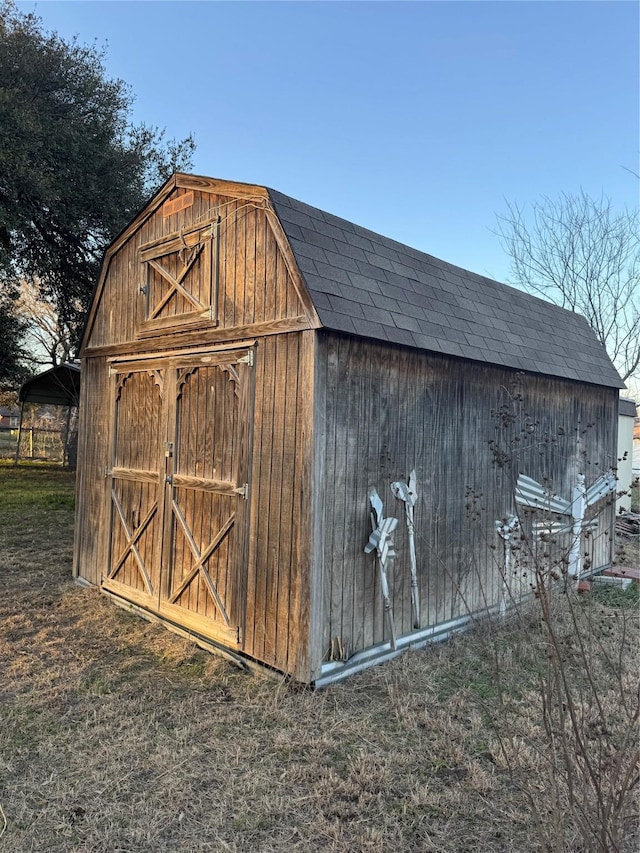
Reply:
x=247, y=359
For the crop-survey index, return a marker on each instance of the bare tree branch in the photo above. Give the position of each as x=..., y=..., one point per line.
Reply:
x=579, y=253
x=48, y=338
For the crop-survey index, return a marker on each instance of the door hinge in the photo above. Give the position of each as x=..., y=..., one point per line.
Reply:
x=168, y=479
x=246, y=359
x=107, y=471
x=239, y=635
x=243, y=491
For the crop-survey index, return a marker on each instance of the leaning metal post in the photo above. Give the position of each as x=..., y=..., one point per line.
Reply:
x=578, y=507
x=505, y=530
x=380, y=541
x=408, y=493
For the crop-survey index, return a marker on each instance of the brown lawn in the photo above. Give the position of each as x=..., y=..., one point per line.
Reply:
x=118, y=736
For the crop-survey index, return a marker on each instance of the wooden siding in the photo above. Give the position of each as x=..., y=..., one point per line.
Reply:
x=277, y=612
x=387, y=410
x=257, y=277
x=262, y=303
x=91, y=527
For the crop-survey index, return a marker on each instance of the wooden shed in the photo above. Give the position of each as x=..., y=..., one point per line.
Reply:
x=253, y=366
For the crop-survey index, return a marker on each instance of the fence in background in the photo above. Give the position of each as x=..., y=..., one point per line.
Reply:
x=43, y=444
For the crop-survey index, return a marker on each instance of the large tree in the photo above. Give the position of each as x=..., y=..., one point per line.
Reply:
x=13, y=369
x=580, y=253
x=73, y=168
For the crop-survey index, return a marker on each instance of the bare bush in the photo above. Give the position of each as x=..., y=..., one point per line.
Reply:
x=578, y=724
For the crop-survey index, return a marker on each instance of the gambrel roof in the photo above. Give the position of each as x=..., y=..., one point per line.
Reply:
x=368, y=285
x=365, y=284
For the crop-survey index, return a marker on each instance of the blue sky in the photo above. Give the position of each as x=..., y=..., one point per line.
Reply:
x=416, y=120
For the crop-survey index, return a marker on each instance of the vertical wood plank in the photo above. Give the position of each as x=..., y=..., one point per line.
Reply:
x=228, y=261
x=234, y=312
x=289, y=490
x=258, y=314
x=274, y=501
x=251, y=604
x=271, y=310
x=319, y=493
x=334, y=507
x=249, y=308
x=264, y=533
x=328, y=451
x=374, y=437
x=304, y=592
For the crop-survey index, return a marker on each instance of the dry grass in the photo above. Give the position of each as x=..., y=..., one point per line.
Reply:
x=118, y=736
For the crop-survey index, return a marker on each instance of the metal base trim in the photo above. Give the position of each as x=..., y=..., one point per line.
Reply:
x=337, y=671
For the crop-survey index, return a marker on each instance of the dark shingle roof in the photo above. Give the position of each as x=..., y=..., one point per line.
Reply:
x=368, y=285
x=627, y=407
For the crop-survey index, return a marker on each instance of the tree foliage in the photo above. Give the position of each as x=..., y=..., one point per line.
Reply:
x=579, y=253
x=73, y=168
x=12, y=355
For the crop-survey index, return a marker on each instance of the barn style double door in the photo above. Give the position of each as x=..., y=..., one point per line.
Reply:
x=179, y=473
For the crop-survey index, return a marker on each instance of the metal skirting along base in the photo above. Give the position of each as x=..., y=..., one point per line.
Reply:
x=336, y=671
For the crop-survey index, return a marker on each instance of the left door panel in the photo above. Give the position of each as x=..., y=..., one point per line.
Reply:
x=136, y=488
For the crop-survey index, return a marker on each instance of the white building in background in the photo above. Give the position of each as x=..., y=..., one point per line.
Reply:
x=627, y=451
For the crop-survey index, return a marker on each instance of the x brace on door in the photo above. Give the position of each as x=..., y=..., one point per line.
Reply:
x=201, y=559
x=132, y=538
x=175, y=284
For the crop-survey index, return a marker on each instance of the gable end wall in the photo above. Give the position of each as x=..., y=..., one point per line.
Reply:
x=257, y=282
